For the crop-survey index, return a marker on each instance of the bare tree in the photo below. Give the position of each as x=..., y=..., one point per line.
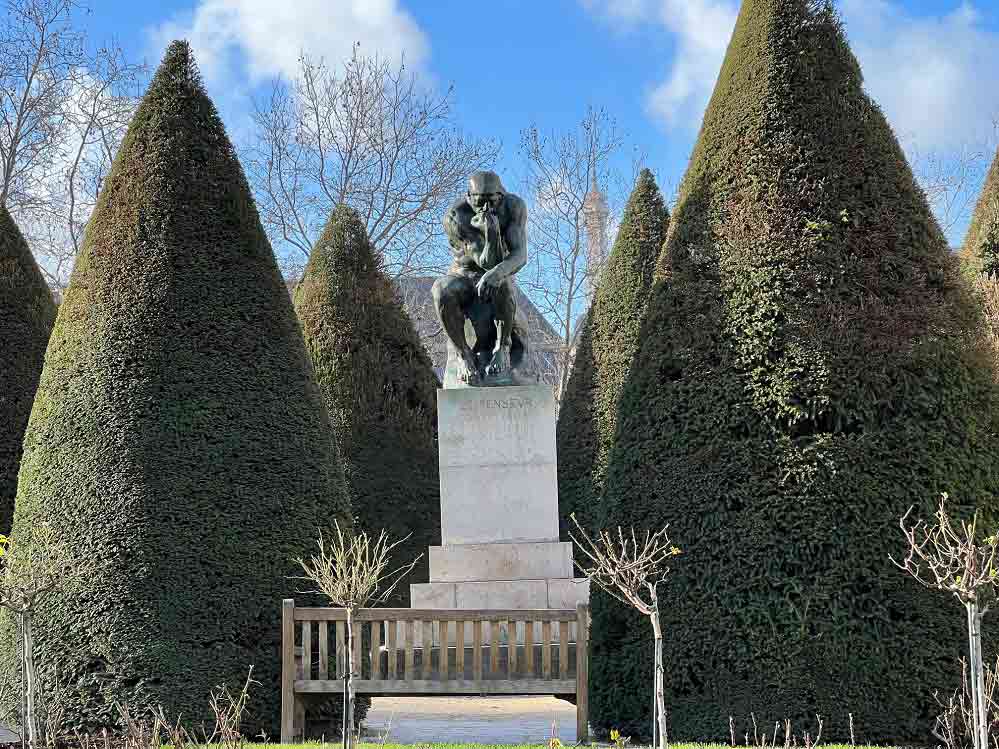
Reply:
x=562, y=167
x=38, y=53
x=353, y=573
x=63, y=111
x=631, y=569
x=952, y=181
x=29, y=570
x=952, y=178
x=951, y=557
x=367, y=135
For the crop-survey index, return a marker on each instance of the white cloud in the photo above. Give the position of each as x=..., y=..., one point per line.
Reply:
x=250, y=40
x=702, y=29
x=936, y=76
x=622, y=10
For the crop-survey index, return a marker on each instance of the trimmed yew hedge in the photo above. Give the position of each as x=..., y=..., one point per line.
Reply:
x=810, y=367
x=27, y=312
x=380, y=389
x=608, y=341
x=179, y=442
x=981, y=246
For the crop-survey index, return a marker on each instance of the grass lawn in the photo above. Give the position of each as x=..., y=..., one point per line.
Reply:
x=377, y=745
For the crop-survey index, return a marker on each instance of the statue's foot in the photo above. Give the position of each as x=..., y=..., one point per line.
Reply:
x=500, y=363
x=467, y=368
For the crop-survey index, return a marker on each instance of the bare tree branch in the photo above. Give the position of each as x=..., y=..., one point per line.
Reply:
x=63, y=110
x=562, y=167
x=630, y=568
x=949, y=556
x=367, y=135
x=353, y=572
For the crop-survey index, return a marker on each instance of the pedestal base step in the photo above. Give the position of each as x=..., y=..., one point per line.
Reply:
x=500, y=561
x=553, y=593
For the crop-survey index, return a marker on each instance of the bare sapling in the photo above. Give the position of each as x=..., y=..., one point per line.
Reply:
x=228, y=709
x=950, y=556
x=631, y=569
x=31, y=568
x=955, y=723
x=354, y=572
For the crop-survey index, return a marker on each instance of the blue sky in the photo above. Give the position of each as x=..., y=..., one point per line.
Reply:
x=932, y=64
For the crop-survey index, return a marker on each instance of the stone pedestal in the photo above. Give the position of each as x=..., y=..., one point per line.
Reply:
x=499, y=505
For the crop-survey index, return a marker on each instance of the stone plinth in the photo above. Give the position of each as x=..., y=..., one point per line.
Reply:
x=497, y=465
x=499, y=505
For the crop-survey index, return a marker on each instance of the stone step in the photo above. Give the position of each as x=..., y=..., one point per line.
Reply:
x=552, y=593
x=512, y=561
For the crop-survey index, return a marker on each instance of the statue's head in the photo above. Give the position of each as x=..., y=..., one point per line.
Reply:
x=485, y=190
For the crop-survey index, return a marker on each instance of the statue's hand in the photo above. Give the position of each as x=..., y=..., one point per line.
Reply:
x=489, y=281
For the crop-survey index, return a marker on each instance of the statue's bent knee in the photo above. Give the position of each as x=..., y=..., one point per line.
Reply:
x=449, y=291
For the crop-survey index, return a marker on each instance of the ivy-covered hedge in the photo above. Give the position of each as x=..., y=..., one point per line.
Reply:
x=608, y=340
x=27, y=312
x=380, y=389
x=810, y=367
x=178, y=442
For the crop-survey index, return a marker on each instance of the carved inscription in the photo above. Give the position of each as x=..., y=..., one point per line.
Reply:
x=499, y=403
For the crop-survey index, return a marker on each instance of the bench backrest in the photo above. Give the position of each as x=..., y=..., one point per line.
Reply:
x=437, y=651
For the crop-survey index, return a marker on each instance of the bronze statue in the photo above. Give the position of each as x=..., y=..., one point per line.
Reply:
x=487, y=231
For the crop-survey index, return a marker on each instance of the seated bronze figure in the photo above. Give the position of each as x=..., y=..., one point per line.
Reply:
x=476, y=301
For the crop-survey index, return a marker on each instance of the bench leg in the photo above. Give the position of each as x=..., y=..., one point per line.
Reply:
x=299, y=719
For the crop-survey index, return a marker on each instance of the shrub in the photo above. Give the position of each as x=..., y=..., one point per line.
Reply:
x=26, y=316
x=981, y=245
x=980, y=258
x=810, y=367
x=380, y=388
x=608, y=341
x=178, y=441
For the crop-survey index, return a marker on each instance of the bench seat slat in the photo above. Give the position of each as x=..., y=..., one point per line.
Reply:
x=431, y=686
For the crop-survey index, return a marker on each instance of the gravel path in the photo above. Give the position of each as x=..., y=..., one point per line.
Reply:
x=487, y=720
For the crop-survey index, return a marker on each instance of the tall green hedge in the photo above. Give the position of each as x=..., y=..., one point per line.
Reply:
x=178, y=439
x=980, y=258
x=809, y=369
x=608, y=341
x=380, y=389
x=981, y=246
x=26, y=316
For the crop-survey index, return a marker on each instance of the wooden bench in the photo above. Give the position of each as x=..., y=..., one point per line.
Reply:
x=433, y=652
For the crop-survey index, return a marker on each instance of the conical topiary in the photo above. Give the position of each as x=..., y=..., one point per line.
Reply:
x=980, y=257
x=608, y=340
x=981, y=246
x=26, y=315
x=178, y=443
x=380, y=389
x=809, y=369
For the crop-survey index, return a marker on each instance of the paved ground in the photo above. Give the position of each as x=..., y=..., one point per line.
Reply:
x=489, y=720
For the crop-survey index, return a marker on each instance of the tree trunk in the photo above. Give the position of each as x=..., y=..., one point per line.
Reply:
x=31, y=682
x=977, y=676
x=348, y=703
x=659, y=681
